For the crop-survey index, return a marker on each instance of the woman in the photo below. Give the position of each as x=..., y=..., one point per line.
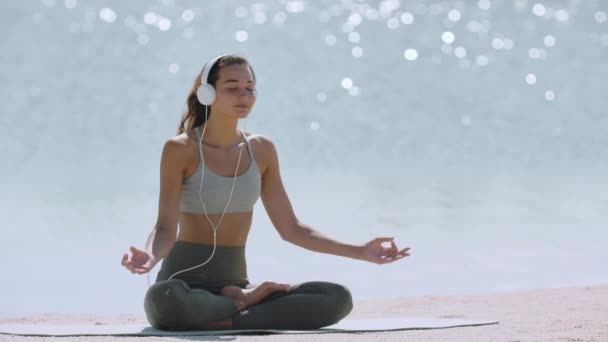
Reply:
x=202, y=283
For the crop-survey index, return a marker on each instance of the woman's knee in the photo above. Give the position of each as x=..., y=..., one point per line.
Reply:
x=164, y=304
x=338, y=297
x=173, y=305
x=343, y=300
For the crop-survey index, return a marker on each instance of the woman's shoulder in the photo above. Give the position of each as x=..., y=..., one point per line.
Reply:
x=259, y=142
x=264, y=148
x=181, y=145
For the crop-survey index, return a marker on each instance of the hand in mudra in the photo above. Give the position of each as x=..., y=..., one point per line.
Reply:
x=377, y=252
x=140, y=261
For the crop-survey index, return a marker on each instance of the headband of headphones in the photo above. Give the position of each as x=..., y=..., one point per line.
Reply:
x=207, y=68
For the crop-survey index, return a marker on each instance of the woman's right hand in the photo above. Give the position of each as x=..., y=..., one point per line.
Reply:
x=140, y=261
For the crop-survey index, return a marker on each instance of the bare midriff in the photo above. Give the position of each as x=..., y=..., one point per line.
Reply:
x=232, y=231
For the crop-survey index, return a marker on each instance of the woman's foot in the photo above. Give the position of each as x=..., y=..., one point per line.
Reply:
x=244, y=298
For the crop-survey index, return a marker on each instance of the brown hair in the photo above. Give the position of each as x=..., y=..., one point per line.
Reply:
x=194, y=113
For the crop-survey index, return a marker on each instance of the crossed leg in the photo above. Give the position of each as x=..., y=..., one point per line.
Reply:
x=173, y=305
x=310, y=305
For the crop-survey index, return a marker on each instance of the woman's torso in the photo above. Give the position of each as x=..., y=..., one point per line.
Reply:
x=220, y=164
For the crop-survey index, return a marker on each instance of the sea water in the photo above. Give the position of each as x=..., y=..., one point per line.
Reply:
x=474, y=132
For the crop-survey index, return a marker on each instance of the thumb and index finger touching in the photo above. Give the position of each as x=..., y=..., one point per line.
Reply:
x=128, y=261
x=382, y=240
x=136, y=251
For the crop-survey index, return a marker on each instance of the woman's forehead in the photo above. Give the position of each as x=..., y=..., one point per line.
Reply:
x=238, y=72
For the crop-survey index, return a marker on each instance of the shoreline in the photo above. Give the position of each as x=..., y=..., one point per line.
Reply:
x=568, y=314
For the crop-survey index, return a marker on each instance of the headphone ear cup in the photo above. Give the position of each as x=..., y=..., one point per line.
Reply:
x=205, y=94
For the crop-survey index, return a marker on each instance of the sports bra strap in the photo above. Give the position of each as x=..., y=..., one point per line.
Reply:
x=249, y=150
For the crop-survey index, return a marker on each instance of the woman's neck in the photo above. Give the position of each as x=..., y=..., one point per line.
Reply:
x=221, y=133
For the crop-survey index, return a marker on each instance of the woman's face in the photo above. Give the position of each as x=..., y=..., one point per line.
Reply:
x=235, y=91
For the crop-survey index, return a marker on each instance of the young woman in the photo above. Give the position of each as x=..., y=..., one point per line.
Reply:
x=211, y=174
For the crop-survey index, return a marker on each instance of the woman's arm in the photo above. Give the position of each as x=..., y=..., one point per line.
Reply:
x=163, y=236
x=290, y=229
x=161, y=239
x=307, y=237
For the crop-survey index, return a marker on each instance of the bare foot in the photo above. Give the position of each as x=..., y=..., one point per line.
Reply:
x=236, y=294
x=244, y=298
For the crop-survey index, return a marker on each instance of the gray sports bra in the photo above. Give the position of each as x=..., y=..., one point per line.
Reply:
x=216, y=188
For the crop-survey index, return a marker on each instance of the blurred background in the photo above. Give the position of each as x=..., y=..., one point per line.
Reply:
x=474, y=132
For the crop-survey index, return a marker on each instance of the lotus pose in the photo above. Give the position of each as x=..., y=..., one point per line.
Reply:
x=212, y=174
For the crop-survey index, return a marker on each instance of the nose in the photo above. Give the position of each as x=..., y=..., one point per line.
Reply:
x=245, y=93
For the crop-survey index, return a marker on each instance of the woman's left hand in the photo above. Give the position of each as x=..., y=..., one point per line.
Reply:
x=375, y=251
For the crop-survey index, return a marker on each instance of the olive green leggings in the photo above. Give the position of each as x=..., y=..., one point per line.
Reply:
x=191, y=299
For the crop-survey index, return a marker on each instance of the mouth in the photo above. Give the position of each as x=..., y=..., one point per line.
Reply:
x=242, y=107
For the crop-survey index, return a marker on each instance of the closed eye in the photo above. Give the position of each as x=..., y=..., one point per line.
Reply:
x=233, y=89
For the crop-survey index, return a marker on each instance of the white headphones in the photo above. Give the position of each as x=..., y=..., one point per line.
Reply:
x=206, y=92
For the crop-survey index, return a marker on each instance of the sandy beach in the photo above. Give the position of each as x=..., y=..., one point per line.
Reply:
x=564, y=314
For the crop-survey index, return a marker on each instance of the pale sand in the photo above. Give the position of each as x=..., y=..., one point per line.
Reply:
x=565, y=314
